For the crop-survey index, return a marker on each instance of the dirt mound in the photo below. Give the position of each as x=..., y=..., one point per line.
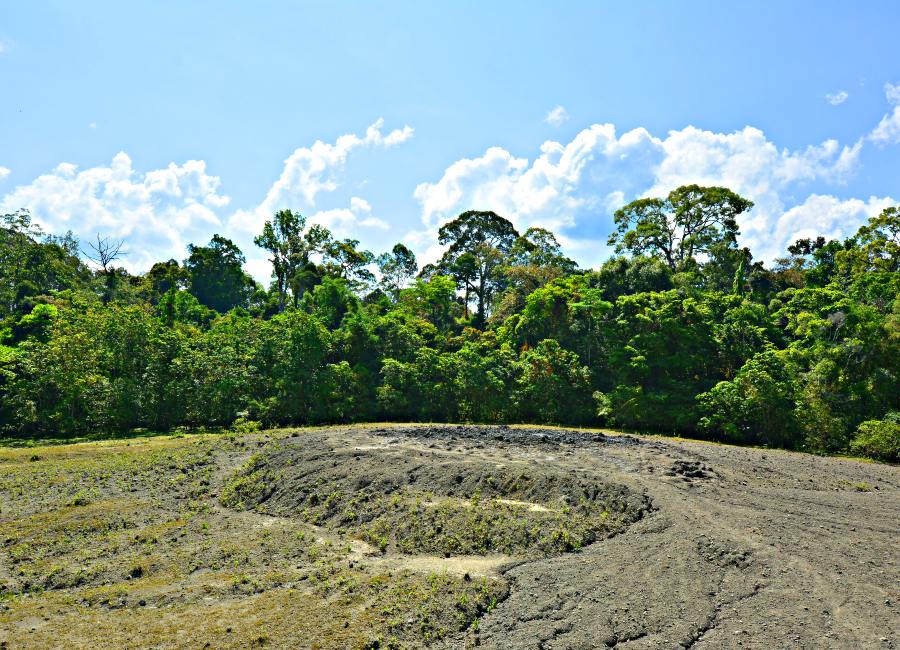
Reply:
x=424, y=501
x=484, y=434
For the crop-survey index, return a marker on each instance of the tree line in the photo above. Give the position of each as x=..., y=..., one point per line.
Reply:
x=680, y=332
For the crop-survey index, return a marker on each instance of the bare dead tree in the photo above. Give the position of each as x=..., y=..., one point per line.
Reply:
x=105, y=251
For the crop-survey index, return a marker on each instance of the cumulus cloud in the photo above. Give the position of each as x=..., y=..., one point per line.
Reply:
x=827, y=216
x=574, y=187
x=158, y=212
x=837, y=98
x=888, y=129
x=342, y=221
x=892, y=92
x=310, y=171
x=4, y=172
x=557, y=116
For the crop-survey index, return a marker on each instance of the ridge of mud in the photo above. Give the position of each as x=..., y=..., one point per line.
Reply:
x=414, y=500
x=505, y=433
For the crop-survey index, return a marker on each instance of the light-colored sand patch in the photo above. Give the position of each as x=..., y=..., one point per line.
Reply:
x=474, y=565
x=528, y=505
x=467, y=503
x=360, y=549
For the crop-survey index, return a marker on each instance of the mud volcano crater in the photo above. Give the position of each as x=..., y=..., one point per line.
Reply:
x=406, y=495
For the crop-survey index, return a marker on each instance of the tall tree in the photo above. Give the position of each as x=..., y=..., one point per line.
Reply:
x=464, y=271
x=345, y=260
x=17, y=233
x=687, y=223
x=488, y=237
x=538, y=247
x=875, y=247
x=33, y=264
x=162, y=278
x=215, y=274
x=291, y=246
x=103, y=253
x=535, y=259
x=396, y=268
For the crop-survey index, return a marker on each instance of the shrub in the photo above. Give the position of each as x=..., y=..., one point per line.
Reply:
x=243, y=425
x=756, y=407
x=878, y=439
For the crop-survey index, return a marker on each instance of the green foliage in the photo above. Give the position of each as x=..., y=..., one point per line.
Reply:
x=162, y=278
x=290, y=245
x=878, y=439
x=689, y=335
x=215, y=275
x=620, y=276
x=876, y=247
x=396, y=268
x=690, y=221
x=662, y=350
x=34, y=266
x=477, y=243
x=553, y=386
x=756, y=407
x=177, y=306
x=35, y=325
x=290, y=354
x=431, y=300
x=330, y=301
x=346, y=261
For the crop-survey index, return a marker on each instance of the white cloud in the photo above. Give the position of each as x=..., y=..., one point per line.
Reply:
x=158, y=212
x=837, y=98
x=309, y=171
x=827, y=216
x=575, y=187
x=343, y=221
x=557, y=116
x=888, y=129
x=4, y=46
x=4, y=172
x=92, y=125
x=892, y=93
x=570, y=187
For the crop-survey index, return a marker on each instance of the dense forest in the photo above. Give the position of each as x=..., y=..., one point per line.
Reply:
x=682, y=332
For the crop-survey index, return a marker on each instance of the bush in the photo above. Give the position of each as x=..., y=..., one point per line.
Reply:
x=756, y=407
x=553, y=386
x=243, y=425
x=878, y=439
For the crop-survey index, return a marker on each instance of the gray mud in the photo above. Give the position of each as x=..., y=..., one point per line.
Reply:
x=713, y=546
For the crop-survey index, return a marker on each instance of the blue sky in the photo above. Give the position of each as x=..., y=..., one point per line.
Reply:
x=164, y=122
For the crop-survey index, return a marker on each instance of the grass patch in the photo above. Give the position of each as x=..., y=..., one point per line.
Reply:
x=126, y=543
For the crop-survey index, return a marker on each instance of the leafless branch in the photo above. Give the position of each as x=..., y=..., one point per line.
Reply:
x=105, y=251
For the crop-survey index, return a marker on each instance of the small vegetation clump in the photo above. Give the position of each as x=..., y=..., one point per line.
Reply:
x=249, y=486
x=878, y=439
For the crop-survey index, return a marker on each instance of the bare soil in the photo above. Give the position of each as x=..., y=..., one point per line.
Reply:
x=444, y=536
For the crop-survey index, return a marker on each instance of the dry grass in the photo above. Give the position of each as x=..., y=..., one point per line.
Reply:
x=119, y=544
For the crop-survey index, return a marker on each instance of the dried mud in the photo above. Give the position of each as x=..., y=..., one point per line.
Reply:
x=446, y=536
